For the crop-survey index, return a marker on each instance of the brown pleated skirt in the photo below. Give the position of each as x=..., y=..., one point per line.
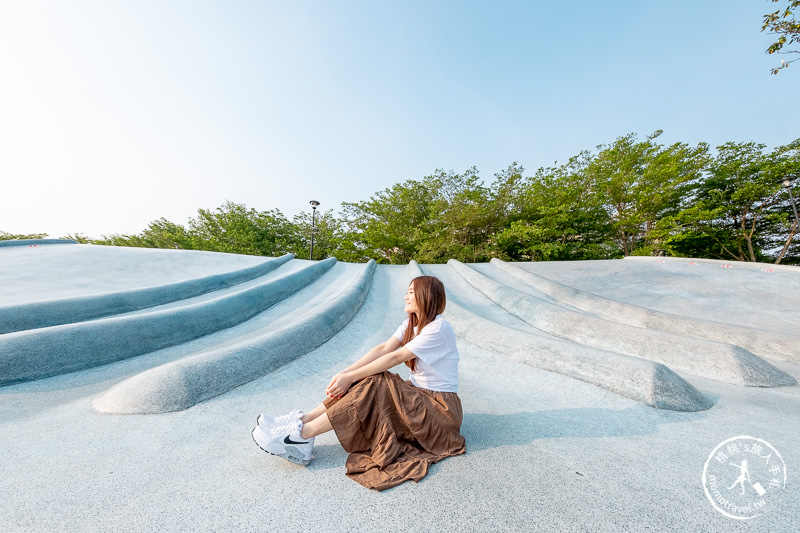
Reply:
x=393, y=430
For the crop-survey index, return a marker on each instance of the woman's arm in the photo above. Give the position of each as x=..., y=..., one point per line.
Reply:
x=389, y=345
x=341, y=382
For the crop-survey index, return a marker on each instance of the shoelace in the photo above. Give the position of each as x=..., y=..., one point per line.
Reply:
x=281, y=420
x=288, y=428
x=274, y=422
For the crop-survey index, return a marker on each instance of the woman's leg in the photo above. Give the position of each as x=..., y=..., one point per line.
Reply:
x=313, y=414
x=320, y=424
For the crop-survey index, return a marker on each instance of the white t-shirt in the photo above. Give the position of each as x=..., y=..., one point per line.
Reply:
x=437, y=355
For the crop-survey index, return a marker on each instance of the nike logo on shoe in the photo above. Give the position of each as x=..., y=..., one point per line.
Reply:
x=288, y=440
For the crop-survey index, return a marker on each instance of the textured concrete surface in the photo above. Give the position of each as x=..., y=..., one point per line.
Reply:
x=42, y=352
x=209, y=373
x=69, y=310
x=770, y=344
x=561, y=435
x=725, y=362
x=34, y=242
x=639, y=379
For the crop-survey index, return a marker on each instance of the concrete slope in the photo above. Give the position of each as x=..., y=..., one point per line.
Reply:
x=546, y=450
x=645, y=381
x=287, y=269
x=731, y=293
x=723, y=362
x=44, y=352
x=55, y=272
x=718, y=262
x=35, y=242
x=761, y=342
x=186, y=382
x=78, y=309
x=491, y=271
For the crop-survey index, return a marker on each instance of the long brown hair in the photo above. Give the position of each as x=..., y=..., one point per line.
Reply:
x=431, y=300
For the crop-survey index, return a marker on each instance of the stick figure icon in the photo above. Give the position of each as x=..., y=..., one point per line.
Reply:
x=744, y=475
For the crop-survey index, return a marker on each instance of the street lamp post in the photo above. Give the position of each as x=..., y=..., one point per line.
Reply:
x=314, y=205
x=787, y=182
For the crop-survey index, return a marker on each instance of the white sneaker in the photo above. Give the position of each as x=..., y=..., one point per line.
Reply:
x=269, y=422
x=285, y=441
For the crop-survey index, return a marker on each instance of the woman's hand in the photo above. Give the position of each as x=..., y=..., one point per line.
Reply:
x=339, y=384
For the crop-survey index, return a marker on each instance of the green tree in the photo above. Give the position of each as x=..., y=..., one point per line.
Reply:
x=461, y=218
x=80, y=238
x=735, y=210
x=559, y=217
x=784, y=24
x=234, y=228
x=786, y=160
x=506, y=191
x=12, y=237
x=391, y=225
x=445, y=215
x=630, y=197
x=231, y=228
x=160, y=233
x=330, y=238
x=641, y=182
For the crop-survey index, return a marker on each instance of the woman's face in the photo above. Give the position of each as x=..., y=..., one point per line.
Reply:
x=411, y=301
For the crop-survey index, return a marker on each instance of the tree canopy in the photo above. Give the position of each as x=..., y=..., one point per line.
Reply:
x=4, y=236
x=629, y=197
x=785, y=25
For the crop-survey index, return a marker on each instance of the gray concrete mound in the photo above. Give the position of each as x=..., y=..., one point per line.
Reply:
x=45, y=352
x=35, y=242
x=761, y=342
x=594, y=392
x=186, y=382
x=724, y=362
x=78, y=309
x=648, y=382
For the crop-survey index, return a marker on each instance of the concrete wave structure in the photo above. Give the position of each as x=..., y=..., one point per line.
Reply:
x=48, y=351
x=188, y=381
x=35, y=242
x=579, y=381
x=762, y=342
x=645, y=381
x=69, y=310
x=624, y=348
x=725, y=362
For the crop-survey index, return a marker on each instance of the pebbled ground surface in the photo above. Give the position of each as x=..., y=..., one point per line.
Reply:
x=545, y=452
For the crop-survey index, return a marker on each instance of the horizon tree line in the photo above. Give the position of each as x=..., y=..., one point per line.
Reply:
x=629, y=197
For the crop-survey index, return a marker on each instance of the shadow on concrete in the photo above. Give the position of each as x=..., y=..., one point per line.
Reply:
x=485, y=431
x=327, y=456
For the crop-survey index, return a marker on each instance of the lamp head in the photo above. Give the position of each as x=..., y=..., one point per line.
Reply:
x=314, y=204
x=787, y=181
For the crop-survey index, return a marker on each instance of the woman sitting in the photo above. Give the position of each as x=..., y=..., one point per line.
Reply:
x=392, y=429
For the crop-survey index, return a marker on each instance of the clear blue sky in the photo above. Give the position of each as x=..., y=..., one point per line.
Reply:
x=116, y=113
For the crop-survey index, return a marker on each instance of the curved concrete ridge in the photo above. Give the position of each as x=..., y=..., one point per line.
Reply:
x=181, y=384
x=597, y=450
x=738, y=264
x=35, y=242
x=645, y=381
x=29, y=355
x=765, y=343
x=723, y=362
x=70, y=310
